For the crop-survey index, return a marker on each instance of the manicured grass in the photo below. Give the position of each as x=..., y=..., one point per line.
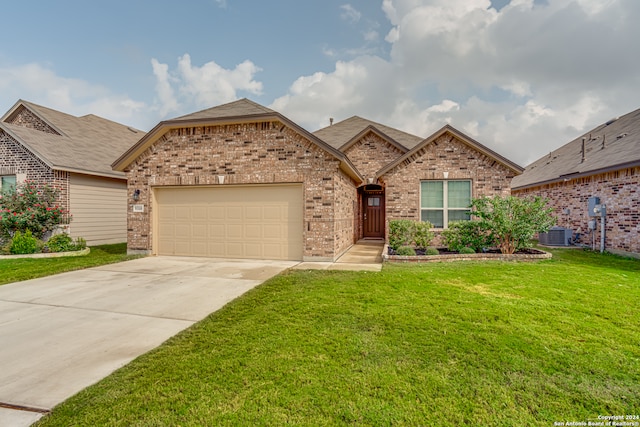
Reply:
x=482, y=344
x=15, y=270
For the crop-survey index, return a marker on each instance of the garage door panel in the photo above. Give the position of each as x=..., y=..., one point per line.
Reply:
x=216, y=231
x=234, y=222
x=199, y=213
x=216, y=213
x=182, y=213
x=234, y=213
x=253, y=213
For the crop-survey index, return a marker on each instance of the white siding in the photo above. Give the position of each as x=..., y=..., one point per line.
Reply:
x=99, y=209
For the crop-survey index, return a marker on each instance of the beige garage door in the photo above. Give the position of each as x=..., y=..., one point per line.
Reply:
x=258, y=222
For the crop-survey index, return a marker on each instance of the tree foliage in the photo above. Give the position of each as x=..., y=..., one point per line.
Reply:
x=513, y=221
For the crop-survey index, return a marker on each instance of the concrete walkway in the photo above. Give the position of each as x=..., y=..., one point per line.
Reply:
x=62, y=333
x=365, y=255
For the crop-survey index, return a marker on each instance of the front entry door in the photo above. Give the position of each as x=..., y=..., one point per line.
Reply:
x=373, y=215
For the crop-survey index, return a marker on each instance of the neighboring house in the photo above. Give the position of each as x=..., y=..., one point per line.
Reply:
x=243, y=181
x=603, y=163
x=73, y=155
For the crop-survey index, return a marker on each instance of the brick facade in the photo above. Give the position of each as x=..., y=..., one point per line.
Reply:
x=445, y=154
x=248, y=153
x=371, y=153
x=17, y=160
x=25, y=118
x=618, y=190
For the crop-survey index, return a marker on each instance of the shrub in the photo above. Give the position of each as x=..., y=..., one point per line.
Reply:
x=513, y=221
x=23, y=243
x=400, y=233
x=80, y=244
x=471, y=234
x=466, y=250
x=60, y=243
x=404, y=232
x=405, y=251
x=29, y=207
x=432, y=251
x=64, y=243
x=422, y=234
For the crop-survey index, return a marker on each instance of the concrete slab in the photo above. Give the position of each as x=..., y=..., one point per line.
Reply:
x=62, y=333
x=13, y=418
x=363, y=256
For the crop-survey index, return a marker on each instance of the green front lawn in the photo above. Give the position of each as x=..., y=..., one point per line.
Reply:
x=470, y=343
x=15, y=270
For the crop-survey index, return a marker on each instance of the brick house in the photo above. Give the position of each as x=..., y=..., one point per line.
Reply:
x=73, y=155
x=603, y=163
x=243, y=181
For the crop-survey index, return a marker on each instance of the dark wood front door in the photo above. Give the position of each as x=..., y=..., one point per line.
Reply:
x=373, y=215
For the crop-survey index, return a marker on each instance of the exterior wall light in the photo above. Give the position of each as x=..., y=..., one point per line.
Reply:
x=136, y=195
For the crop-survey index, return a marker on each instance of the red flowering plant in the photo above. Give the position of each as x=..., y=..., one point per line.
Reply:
x=30, y=207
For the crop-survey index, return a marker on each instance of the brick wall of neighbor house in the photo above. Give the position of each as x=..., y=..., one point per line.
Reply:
x=371, y=153
x=250, y=153
x=448, y=154
x=25, y=118
x=15, y=159
x=618, y=190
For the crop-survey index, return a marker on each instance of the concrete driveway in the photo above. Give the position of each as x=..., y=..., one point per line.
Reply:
x=62, y=333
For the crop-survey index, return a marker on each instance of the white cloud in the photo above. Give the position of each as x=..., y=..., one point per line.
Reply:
x=221, y=3
x=344, y=92
x=41, y=85
x=349, y=13
x=522, y=80
x=191, y=86
x=168, y=101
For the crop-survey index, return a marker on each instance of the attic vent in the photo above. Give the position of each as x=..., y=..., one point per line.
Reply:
x=611, y=121
x=132, y=129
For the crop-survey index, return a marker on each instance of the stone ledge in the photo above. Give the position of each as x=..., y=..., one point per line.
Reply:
x=83, y=252
x=464, y=257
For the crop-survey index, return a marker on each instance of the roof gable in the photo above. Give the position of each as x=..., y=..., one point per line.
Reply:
x=343, y=134
x=241, y=111
x=86, y=144
x=410, y=155
x=611, y=146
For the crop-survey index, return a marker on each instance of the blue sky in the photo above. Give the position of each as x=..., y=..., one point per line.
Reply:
x=521, y=76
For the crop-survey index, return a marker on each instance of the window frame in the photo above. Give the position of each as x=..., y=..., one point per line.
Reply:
x=2, y=183
x=445, y=201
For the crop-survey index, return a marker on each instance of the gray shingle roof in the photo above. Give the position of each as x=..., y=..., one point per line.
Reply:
x=88, y=144
x=610, y=146
x=241, y=107
x=341, y=133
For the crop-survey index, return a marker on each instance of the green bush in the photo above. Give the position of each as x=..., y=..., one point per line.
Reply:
x=405, y=251
x=513, y=221
x=471, y=234
x=422, y=234
x=404, y=232
x=80, y=244
x=400, y=233
x=64, y=243
x=23, y=243
x=466, y=250
x=432, y=251
x=30, y=207
x=60, y=243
